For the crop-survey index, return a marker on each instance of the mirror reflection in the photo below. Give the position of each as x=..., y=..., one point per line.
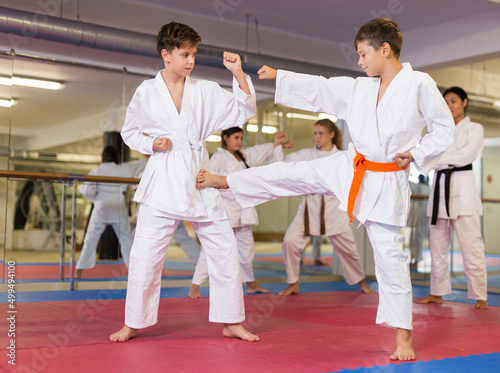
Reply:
x=64, y=132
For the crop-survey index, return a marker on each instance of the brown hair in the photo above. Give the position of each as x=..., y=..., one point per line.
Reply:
x=110, y=154
x=228, y=132
x=379, y=31
x=176, y=35
x=331, y=127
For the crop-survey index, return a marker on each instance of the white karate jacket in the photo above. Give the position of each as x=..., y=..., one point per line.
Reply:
x=169, y=180
x=411, y=102
x=464, y=196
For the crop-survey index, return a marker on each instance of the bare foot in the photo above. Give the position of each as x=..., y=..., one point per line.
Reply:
x=290, y=289
x=365, y=288
x=430, y=299
x=253, y=287
x=123, y=335
x=481, y=304
x=404, y=349
x=78, y=273
x=194, y=291
x=238, y=331
x=205, y=179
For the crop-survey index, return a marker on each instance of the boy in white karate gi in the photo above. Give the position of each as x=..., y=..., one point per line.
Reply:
x=385, y=116
x=169, y=118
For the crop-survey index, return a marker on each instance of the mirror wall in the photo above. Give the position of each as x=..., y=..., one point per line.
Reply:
x=64, y=131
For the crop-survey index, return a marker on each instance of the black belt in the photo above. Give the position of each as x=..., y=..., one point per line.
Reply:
x=447, y=181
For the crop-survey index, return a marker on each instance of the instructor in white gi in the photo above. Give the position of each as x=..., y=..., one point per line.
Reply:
x=454, y=206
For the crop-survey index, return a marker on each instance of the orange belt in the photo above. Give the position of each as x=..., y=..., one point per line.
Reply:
x=360, y=166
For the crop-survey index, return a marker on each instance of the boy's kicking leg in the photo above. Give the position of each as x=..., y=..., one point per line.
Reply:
x=226, y=290
x=395, y=292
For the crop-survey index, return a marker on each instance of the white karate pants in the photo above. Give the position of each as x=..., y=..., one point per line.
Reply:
x=246, y=251
x=152, y=237
x=261, y=184
x=187, y=243
x=393, y=275
x=94, y=232
x=468, y=230
x=343, y=243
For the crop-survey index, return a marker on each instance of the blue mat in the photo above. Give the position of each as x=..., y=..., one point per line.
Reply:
x=484, y=363
x=459, y=296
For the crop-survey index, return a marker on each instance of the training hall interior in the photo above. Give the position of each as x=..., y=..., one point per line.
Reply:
x=68, y=70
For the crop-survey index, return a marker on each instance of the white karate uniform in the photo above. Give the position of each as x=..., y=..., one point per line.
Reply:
x=337, y=228
x=167, y=192
x=223, y=163
x=187, y=243
x=465, y=209
x=410, y=103
x=109, y=209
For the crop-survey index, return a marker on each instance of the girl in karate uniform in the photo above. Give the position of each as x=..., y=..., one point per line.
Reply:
x=320, y=216
x=109, y=207
x=386, y=113
x=228, y=159
x=170, y=117
x=461, y=213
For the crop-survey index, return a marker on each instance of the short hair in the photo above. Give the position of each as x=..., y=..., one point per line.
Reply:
x=460, y=92
x=379, y=31
x=331, y=127
x=176, y=35
x=110, y=154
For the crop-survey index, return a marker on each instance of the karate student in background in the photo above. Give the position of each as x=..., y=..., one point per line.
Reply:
x=109, y=207
x=461, y=213
x=231, y=157
x=170, y=117
x=319, y=215
x=386, y=114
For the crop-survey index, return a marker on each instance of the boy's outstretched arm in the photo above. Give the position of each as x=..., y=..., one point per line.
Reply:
x=267, y=73
x=232, y=62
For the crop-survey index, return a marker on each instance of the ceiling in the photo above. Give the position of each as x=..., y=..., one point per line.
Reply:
x=457, y=42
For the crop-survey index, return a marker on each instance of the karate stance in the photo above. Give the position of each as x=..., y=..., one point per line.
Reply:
x=386, y=116
x=320, y=216
x=169, y=118
x=228, y=159
x=109, y=207
x=459, y=212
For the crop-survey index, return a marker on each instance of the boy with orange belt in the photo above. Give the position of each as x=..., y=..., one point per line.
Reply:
x=385, y=115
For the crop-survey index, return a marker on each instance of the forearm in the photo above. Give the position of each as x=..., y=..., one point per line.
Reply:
x=242, y=81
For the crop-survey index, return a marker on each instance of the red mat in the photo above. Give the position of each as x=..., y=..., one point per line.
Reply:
x=51, y=272
x=314, y=332
x=308, y=261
